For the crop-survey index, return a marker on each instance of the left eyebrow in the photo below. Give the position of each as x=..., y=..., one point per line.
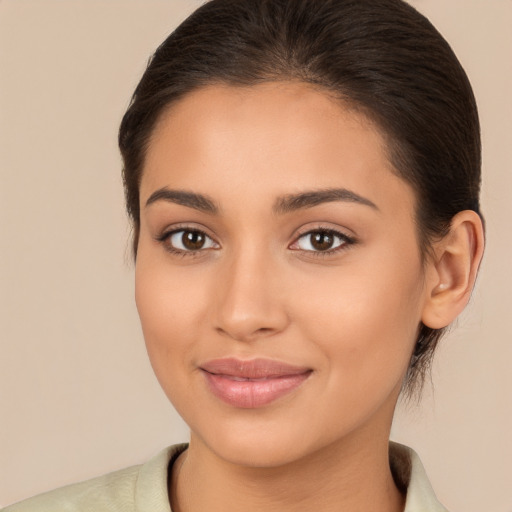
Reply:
x=308, y=199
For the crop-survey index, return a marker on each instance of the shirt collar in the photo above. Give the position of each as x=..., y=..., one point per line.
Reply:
x=410, y=475
x=408, y=472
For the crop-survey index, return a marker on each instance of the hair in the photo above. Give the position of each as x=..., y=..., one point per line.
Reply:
x=380, y=57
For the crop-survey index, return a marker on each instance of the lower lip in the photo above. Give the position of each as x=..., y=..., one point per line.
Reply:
x=250, y=394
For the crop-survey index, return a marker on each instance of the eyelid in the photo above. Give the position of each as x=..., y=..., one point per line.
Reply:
x=167, y=233
x=348, y=240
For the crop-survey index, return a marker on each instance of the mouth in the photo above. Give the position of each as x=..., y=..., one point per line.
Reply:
x=254, y=383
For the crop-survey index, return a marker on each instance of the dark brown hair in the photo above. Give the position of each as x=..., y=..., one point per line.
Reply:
x=381, y=57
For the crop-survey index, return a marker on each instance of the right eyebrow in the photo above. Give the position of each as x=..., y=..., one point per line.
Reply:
x=189, y=199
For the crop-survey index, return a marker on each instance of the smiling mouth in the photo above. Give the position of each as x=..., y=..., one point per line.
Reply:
x=252, y=384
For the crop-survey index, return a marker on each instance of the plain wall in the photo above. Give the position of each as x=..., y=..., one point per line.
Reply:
x=77, y=394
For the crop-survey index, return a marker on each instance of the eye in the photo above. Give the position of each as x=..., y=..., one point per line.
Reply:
x=321, y=240
x=188, y=240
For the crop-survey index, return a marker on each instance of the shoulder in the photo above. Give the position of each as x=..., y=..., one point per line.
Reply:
x=96, y=494
x=133, y=489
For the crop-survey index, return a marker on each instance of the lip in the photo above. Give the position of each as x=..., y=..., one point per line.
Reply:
x=253, y=383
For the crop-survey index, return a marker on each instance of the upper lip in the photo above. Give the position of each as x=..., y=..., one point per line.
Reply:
x=253, y=368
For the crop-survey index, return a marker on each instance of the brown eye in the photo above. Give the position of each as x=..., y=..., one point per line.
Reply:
x=321, y=241
x=190, y=240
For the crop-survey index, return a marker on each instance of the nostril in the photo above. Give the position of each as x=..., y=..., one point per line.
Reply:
x=247, y=307
x=239, y=333
x=264, y=330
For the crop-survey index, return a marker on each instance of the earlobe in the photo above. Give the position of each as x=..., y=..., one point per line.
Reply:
x=452, y=272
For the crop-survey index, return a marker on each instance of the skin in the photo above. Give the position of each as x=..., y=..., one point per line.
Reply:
x=258, y=288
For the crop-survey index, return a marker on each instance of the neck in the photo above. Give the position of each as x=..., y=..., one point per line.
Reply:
x=348, y=476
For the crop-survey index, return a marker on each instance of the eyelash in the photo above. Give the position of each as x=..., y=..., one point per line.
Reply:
x=165, y=237
x=346, y=241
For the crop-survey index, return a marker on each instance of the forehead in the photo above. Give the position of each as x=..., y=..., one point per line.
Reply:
x=269, y=139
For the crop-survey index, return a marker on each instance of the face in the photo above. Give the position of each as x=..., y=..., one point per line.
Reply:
x=278, y=277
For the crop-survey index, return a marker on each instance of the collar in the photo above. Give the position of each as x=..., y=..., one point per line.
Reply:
x=410, y=476
x=408, y=471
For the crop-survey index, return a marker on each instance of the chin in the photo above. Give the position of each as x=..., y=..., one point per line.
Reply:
x=256, y=443
x=262, y=452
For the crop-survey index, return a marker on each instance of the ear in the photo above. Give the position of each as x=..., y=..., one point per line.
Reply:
x=452, y=270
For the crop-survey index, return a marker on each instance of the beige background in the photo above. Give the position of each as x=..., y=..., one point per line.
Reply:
x=77, y=394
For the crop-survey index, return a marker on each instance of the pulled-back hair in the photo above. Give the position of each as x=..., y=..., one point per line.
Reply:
x=381, y=57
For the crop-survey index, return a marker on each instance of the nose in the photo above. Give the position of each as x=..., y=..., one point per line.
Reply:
x=250, y=301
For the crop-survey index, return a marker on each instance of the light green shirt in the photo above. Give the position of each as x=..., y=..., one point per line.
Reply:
x=144, y=488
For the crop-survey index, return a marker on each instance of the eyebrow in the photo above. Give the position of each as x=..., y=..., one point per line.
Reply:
x=293, y=202
x=285, y=204
x=190, y=199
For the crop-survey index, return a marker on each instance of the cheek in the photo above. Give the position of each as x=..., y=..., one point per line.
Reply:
x=172, y=311
x=364, y=320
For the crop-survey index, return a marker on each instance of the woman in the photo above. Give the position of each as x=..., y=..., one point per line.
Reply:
x=303, y=182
